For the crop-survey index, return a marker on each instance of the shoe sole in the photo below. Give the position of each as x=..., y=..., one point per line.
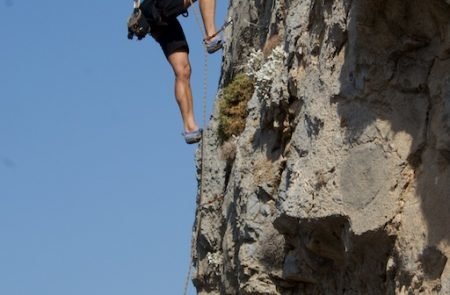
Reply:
x=212, y=49
x=193, y=138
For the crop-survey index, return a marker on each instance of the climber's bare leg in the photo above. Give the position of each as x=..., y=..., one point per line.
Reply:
x=208, y=11
x=182, y=69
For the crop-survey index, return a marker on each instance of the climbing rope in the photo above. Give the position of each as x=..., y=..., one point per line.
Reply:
x=201, y=205
x=202, y=150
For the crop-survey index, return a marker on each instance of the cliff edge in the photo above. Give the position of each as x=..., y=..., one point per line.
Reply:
x=325, y=167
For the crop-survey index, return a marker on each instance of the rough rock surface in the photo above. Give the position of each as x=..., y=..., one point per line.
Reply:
x=340, y=182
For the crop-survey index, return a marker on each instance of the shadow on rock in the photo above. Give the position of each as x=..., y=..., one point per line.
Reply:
x=396, y=88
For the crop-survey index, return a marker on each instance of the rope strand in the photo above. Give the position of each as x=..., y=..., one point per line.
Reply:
x=202, y=152
x=201, y=205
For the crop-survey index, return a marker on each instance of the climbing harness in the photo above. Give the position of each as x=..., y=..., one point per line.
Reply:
x=150, y=13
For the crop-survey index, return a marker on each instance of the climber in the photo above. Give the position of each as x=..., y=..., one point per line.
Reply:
x=170, y=36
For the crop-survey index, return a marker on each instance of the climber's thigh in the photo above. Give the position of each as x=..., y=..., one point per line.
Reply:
x=171, y=38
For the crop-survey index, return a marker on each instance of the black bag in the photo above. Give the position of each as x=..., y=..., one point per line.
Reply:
x=138, y=25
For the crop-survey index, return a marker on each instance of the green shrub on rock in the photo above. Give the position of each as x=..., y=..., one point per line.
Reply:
x=233, y=106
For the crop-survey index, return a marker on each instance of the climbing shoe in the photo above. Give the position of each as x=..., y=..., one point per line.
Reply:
x=193, y=137
x=213, y=44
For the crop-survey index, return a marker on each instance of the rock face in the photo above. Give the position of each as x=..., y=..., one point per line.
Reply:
x=340, y=181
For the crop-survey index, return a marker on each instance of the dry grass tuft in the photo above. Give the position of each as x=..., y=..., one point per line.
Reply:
x=233, y=106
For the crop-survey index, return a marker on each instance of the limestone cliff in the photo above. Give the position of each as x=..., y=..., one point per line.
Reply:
x=338, y=181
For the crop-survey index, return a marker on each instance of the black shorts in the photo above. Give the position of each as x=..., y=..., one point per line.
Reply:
x=170, y=37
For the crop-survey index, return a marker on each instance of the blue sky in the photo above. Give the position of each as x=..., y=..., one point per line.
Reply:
x=97, y=187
